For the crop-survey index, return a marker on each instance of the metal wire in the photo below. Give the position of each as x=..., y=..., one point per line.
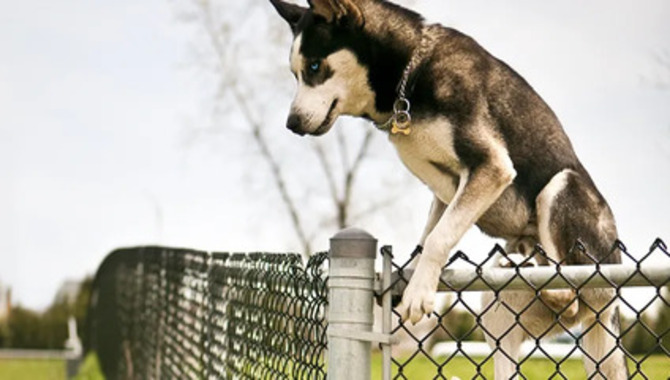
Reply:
x=462, y=277
x=160, y=313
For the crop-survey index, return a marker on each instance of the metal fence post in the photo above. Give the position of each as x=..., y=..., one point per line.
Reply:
x=350, y=317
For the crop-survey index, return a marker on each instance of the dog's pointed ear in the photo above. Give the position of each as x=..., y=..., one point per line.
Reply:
x=339, y=11
x=290, y=12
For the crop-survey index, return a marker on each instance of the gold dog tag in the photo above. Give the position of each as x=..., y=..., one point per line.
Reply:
x=402, y=120
x=395, y=129
x=401, y=123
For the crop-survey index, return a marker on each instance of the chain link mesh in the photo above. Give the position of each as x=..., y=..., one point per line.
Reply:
x=160, y=313
x=452, y=340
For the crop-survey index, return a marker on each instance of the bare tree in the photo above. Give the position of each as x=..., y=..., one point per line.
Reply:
x=239, y=43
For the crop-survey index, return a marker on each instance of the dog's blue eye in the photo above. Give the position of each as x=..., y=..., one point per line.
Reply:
x=315, y=66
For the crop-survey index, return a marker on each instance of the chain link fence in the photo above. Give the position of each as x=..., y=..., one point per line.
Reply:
x=605, y=327
x=160, y=313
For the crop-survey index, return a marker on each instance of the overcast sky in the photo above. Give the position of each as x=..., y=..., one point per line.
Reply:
x=95, y=98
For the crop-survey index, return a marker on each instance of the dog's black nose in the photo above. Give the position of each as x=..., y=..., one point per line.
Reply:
x=294, y=123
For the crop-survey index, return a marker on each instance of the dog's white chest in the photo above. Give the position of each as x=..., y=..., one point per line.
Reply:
x=428, y=152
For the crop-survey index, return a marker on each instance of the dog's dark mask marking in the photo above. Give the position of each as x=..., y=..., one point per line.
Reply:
x=316, y=72
x=321, y=38
x=384, y=58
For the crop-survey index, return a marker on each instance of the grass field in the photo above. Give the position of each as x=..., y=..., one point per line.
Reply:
x=41, y=369
x=654, y=368
x=29, y=369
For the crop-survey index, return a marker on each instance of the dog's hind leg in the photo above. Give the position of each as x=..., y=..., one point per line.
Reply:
x=503, y=333
x=603, y=359
x=570, y=210
x=560, y=300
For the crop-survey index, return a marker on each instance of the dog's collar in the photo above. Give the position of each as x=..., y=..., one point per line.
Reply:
x=401, y=119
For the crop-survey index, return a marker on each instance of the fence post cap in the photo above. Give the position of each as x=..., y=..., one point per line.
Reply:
x=353, y=233
x=353, y=242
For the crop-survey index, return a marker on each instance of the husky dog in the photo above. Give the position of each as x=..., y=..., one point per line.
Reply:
x=476, y=133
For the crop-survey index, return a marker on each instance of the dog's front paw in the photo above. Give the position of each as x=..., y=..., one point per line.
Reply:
x=419, y=297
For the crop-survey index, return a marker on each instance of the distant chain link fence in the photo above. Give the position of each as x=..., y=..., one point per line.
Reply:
x=160, y=313
x=483, y=301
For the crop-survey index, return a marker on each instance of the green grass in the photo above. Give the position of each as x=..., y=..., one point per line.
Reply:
x=29, y=369
x=90, y=369
x=655, y=368
x=43, y=369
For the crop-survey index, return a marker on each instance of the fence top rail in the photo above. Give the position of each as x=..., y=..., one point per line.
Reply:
x=546, y=277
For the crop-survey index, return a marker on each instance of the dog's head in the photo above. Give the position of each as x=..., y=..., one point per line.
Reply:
x=325, y=59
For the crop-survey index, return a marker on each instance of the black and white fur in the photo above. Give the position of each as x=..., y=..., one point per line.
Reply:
x=488, y=147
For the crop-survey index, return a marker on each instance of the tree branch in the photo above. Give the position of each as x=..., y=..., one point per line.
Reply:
x=327, y=171
x=350, y=177
x=219, y=46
